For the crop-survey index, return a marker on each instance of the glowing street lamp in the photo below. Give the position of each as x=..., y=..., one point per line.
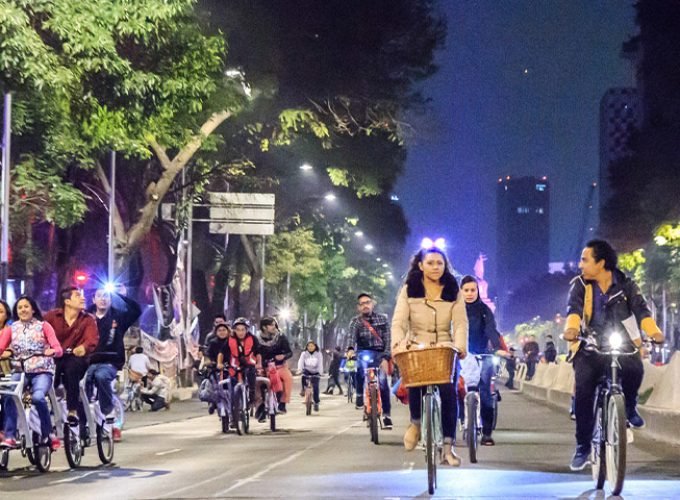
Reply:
x=306, y=167
x=359, y=234
x=330, y=197
x=368, y=247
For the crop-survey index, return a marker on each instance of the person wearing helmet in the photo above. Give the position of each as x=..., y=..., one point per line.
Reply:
x=244, y=353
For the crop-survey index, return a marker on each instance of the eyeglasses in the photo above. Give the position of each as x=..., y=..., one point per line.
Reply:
x=365, y=303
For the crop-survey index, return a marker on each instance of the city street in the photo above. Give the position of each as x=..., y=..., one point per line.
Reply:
x=181, y=454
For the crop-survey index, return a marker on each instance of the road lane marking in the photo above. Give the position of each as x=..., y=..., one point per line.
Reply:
x=286, y=460
x=161, y=453
x=76, y=478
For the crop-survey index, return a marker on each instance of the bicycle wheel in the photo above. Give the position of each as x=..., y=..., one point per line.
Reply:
x=495, y=411
x=4, y=459
x=373, y=417
x=350, y=390
x=42, y=454
x=598, y=449
x=104, y=444
x=72, y=446
x=224, y=420
x=616, y=441
x=238, y=410
x=308, y=400
x=430, y=445
x=245, y=414
x=471, y=409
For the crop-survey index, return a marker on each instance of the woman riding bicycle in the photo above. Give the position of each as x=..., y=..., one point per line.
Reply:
x=482, y=333
x=311, y=363
x=430, y=310
x=30, y=336
x=274, y=346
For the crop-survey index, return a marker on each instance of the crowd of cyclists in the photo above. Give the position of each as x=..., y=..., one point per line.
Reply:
x=73, y=344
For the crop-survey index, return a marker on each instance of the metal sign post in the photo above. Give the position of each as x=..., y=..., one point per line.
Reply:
x=4, y=213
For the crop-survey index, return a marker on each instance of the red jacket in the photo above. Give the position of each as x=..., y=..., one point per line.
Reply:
x=83, y=331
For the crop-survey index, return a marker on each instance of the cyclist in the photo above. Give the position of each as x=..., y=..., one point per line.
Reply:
x=482, y=333
x=431, y=309
x=334, y=371
x=348, y=365
x=217, y=350
x=602, y=299
x=109, y=355
x=29, y=335
x=244, y=355
x=75, y=330
x=218, y=319
x=311, y=363
x=370, y=332
x=274, y=346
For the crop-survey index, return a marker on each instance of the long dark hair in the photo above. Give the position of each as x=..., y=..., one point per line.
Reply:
x=414, y=278
x=36, y=310
x=8, y=312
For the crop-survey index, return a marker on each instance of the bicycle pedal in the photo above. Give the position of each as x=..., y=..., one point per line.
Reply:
x=630, y=436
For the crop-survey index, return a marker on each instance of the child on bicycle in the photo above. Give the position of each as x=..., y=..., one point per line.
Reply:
x=348, y=365
x=311, y=363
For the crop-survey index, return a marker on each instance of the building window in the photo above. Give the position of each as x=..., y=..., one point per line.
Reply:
x=523, y=210
x=541, y=187
x=539, y=210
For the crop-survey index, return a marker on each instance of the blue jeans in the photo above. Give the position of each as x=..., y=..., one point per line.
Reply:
x=373, y=361
x=101, y=374
x=485, y=396
x=40, y=385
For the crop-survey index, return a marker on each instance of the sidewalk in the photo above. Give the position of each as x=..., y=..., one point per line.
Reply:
x=179, y=410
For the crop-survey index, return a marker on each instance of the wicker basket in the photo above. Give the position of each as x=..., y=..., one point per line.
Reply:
x=426, y=366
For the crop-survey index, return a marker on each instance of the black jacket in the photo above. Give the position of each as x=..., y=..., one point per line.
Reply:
x=112, y=327
x=271, y=347
x=550, y=352
x=215, y=346
x=482, y=331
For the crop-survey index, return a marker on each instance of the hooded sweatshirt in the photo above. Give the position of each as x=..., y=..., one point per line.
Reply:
x=311, y=362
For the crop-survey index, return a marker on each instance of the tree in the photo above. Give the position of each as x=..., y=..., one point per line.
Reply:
x=137, y=77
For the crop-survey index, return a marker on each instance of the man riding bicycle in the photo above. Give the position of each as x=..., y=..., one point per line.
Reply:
x=602, y=299
x=371, y=334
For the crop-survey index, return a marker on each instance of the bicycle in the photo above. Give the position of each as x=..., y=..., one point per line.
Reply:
x=97, y=427
x=351, y=384
x=270, y=401
x=28, y=429
x=241, y=404
x=411, y=363
x=472, y=419
x=133, y=392
x=221, y=397
x=373, y=406
x=610, y=435
x=309, y=390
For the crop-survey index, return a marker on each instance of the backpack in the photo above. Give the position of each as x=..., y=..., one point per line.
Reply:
x=206, y=391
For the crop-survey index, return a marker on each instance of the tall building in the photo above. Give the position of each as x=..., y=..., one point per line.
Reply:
x=523, y=226
x=620, y=116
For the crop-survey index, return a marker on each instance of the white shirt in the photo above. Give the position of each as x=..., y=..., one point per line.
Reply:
x=139, y=362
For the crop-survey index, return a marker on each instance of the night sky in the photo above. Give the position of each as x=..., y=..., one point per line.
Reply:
x=517, y=93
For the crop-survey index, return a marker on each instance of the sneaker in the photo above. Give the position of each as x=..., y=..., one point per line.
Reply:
x=387, y=422
x=211, y=408
x=260, y=413
x=488, y=441
x=8, y=443
x=360, y=402
x=55, y=443
x=117, y=435
x=581, y=458
x=282, y=408
x=572, y=416
x=302, y=393
x=316, y=406
x=634, y=418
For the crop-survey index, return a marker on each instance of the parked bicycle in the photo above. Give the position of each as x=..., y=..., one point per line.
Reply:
x=133, y=391
x=30, y=441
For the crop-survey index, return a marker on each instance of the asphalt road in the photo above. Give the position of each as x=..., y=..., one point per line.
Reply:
x=180, y=453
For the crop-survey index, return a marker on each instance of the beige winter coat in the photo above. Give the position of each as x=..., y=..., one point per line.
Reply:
x=427, y=322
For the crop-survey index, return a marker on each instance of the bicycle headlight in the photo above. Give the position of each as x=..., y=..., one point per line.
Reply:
x=615, y=340
x=366, y=357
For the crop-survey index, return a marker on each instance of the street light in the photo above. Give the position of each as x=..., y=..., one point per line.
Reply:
x=359, y=234
x=368, y=247
x=330, y=197
x=306, y=167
